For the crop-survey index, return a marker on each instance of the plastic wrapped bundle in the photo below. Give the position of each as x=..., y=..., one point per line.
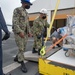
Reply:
x=71, y=25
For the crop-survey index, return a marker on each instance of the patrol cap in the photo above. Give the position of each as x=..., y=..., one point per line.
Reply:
x=43, y=11
x=26, y=1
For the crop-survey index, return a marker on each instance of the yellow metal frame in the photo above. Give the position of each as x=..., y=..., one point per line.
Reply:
x=48, y=69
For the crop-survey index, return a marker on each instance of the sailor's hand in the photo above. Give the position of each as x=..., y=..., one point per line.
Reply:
x=30, y=35
x=21, y=35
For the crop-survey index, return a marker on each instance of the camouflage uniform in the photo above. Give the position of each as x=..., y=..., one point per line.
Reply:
x=37, y=29
x=21, y=24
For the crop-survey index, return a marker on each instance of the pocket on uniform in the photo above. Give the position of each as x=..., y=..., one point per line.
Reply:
x=22, y=18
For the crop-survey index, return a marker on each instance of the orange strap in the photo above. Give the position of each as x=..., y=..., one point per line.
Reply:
x=55, y=43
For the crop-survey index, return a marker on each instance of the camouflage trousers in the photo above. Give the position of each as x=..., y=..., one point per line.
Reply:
x=21, y=43
x=37, y=43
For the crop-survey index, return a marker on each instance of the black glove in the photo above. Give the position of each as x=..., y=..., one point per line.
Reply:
x=39, y=36
x=6, y=36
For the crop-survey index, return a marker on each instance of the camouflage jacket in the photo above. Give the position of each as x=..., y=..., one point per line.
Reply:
x=20, y=20
x=38, y=26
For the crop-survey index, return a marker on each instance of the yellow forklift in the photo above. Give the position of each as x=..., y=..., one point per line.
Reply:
x=58, y=63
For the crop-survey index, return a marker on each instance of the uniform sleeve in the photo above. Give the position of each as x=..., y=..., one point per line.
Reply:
x=15, y=21
x=46, y=24
x=28, y=27
x=35, y=28
x=3, y=23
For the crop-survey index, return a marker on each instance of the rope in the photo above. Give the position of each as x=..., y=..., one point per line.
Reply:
x=50, y=27
x=42, y=52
